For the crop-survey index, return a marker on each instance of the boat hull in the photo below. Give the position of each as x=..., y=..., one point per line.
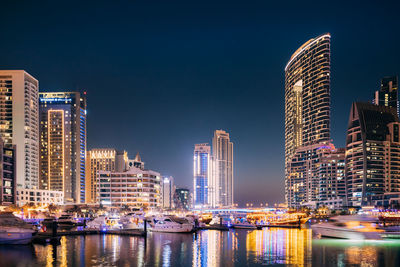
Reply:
x=15, y=238
x=250, y=227
x=132, y=226
x=173, y=229
x=391, y=235
x=343, y=233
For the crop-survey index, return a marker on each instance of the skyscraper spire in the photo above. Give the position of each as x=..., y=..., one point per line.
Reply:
x=138, y=158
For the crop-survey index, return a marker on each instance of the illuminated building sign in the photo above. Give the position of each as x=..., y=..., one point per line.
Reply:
x=55, y=99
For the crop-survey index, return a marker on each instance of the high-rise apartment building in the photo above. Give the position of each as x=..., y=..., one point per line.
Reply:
x=182, y=199
x=8, y=182
x=202, y=173
x=102, y=159
x=63, y=144
x=19, y=123
x=167, y=192
x=307, y=99
x=372, y=153
x=221, y=182
x=316, y=175
x=388, y=94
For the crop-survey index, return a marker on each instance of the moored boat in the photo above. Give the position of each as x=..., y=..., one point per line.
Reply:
x=288, y=223
x=14, y=231
x=132, y=221
x=170, y=224
x=242, y=223
x=243, y=226
x=98, y=223
x=66, y=222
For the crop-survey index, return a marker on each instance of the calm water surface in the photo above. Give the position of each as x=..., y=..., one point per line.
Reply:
x=277, y=247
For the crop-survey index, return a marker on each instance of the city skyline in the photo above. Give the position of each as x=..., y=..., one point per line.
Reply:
x=165, y=86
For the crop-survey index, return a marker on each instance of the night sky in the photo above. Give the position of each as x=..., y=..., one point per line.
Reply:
x=161, y=77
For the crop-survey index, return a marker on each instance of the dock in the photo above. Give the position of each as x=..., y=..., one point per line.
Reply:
x=54, y=238
x=213, y=227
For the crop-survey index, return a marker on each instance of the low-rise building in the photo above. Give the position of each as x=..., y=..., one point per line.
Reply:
x=39, y=197
x=135, y=188
x=333, y=204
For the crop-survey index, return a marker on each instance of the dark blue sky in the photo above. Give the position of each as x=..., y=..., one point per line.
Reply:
x=161, y=77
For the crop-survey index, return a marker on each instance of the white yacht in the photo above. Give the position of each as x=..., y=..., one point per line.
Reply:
x=170, y=224
x=355, y=227
x=14, y=231
x=104, y=222
x=98, y=223
x=221, y=221
x=132, y=221
x=243, y=225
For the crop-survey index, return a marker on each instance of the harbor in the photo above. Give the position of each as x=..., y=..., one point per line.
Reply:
x=269, y=246
x=365, y=224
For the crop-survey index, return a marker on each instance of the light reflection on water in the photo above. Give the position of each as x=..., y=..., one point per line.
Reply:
x=291, y=247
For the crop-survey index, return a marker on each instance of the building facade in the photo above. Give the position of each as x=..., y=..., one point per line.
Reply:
x=8, y=179
x=102, y=159
x=202, y=171
x=372, y=153
x=388, y=94
x=307, y=99
x=182, y=199
x=19, y=123
x=39, y=197
x=167, y=192
x=134, y=187
x=317, y=174
x=221, y=182
x=63, y=144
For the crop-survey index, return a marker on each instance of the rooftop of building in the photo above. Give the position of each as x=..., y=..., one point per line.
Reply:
x=305, y=46
x=373, y=119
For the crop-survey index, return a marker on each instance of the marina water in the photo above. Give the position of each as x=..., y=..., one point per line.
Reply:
x=274, y=246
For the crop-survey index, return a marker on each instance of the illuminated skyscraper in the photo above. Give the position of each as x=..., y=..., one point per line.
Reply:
x=202, y=172
x=372, y=153
x=307, y=98
x=221, y=185
x=102, y=159
x=167, y=192
x=19, y=123
x=388, y=94
x=63, y=144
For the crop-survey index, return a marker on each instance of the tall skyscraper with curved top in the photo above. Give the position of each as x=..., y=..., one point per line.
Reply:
x=307, y=98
